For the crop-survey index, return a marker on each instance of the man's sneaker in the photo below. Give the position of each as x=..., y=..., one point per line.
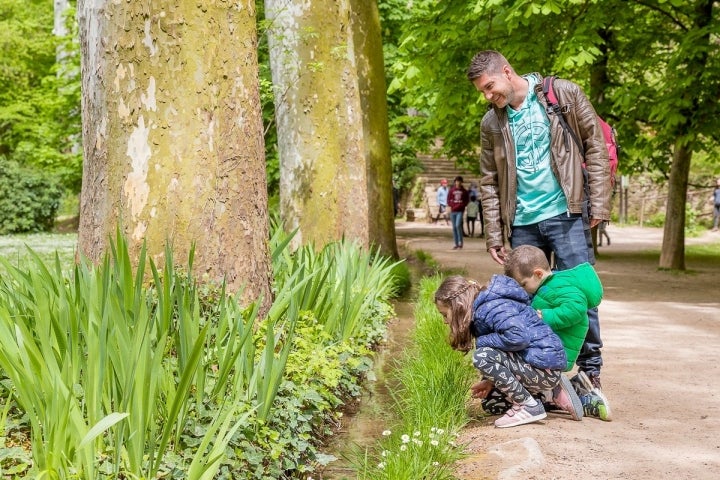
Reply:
x=520, y=415
x=595, y=404
x=565, y=397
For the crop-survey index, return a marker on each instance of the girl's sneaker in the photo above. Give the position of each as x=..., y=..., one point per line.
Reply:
x=565, y=398
x=520, y=415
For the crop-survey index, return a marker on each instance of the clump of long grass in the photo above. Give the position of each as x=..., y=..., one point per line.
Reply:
x=106, y=368
x=430, y=403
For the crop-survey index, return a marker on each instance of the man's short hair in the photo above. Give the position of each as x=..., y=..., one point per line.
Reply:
x=487, y=61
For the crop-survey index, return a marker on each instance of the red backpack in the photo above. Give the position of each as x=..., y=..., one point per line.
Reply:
x=608, y=132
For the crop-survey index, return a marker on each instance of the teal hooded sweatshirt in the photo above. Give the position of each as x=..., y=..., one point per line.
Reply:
x=564, y=299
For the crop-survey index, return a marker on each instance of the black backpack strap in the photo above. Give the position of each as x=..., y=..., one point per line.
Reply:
x=554, y=109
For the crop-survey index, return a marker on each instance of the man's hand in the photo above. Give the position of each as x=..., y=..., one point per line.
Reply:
x=481, y=389
x=594, y=222
x=498, y=254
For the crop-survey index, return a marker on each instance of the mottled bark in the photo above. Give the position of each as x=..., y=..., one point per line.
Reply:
x=327, y=69
x=373, y=102
x=172, y=134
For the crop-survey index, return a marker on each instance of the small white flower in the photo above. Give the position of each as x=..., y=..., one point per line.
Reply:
x=433, y=429
x=440, y=431
x=381, y=465
x=405, y=438
x=417, y=442
x=416, y=434
x=386, y=433
x=403, y=448
x=435, y=464
x=434, y=443
x=385, y=453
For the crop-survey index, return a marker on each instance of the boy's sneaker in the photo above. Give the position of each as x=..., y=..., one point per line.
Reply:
x=520, y=415
x=595, y=404
x=565, y=397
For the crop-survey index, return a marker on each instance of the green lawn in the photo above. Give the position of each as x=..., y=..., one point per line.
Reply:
x=14, y=248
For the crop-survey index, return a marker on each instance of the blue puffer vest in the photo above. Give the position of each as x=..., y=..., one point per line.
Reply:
x=503, y=319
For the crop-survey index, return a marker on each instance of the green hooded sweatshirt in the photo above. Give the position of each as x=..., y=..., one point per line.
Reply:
x=564, y=298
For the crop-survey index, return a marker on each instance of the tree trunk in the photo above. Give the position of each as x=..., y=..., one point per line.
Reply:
x=673, y=246
x=335, y=172
x=672, y=255
x=173, y=136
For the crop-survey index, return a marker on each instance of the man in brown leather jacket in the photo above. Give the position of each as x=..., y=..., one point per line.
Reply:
x=532, y=185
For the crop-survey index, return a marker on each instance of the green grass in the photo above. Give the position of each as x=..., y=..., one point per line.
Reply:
x=430, y=404
x=700, y=252
x=14, y=248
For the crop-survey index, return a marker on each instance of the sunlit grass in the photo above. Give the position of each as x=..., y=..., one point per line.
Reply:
x=698, y=252
x=14, y=248
x=430, y=404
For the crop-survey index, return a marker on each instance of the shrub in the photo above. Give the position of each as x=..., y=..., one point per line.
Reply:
x=29, y=200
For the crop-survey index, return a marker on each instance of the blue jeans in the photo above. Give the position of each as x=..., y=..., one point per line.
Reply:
x=566, y=238
x=456, y=218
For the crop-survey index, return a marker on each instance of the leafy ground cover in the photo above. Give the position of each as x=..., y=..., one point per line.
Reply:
x=176, y=379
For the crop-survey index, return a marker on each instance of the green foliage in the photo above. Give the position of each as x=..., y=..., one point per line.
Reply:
x=267, y=101
x=430, y=403
x=405, y=163
x=623, y=53
x=29, y=200
x=403, y=280
x=176, y=379
x=40, y=96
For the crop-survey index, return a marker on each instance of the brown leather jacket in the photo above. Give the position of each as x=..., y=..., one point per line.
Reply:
x=498, y=184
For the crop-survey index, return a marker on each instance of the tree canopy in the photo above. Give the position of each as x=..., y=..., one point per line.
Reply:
x=657, y=58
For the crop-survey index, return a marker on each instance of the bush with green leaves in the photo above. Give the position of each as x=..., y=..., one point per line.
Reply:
x=177, y=379
x=29, y=199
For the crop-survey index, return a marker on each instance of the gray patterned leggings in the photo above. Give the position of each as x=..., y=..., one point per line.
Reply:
x=514, y=379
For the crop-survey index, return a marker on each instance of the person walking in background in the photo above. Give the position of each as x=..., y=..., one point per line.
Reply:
x=716, y=208
x=442, y=198
x=532, y=176
x=516, y=353
x=473, y=190
x=473, y=208
x=457, y=201
x=602, y=232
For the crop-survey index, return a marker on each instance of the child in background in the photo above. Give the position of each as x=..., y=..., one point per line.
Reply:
x=516, y=353
x=562, y=299
x=471, y=214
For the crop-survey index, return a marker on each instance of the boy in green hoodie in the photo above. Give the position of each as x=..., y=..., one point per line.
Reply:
x=562, y=299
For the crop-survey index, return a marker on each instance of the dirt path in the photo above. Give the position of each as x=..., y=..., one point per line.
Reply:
x=662, y=371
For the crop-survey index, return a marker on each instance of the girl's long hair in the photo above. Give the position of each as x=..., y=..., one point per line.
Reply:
x=458, y=294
